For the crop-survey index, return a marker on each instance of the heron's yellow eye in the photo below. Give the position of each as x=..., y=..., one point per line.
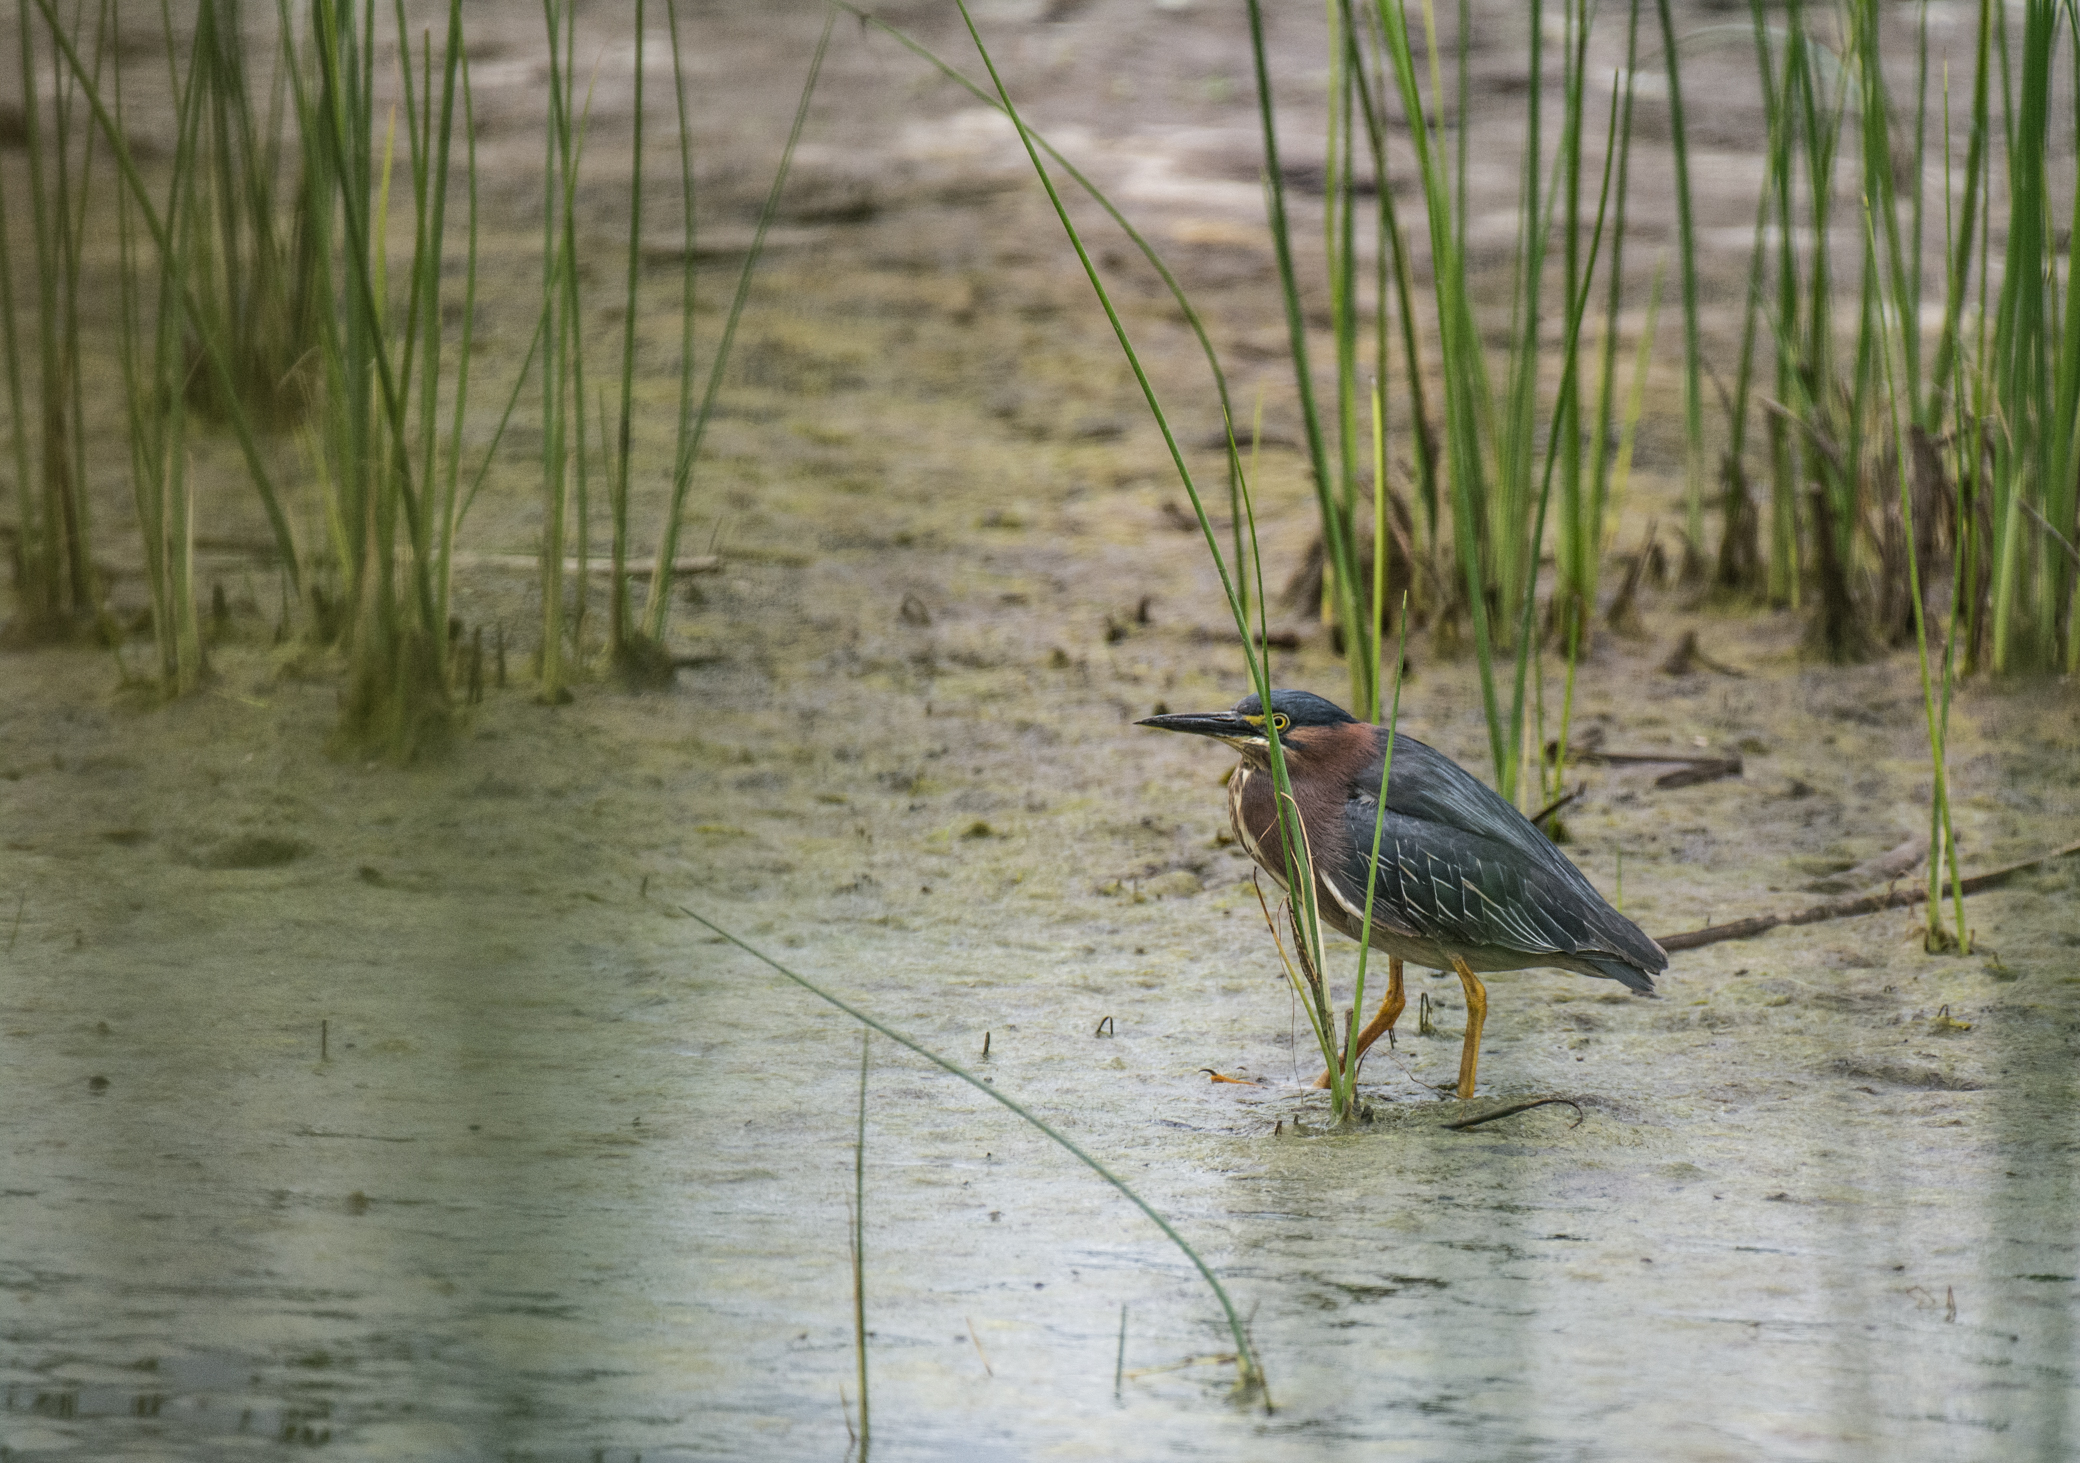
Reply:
x=1280, y=721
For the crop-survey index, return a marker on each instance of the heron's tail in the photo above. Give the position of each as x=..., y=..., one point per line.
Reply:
x=1631, y=976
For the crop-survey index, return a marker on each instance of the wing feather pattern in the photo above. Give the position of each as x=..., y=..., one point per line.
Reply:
x=1461, y=866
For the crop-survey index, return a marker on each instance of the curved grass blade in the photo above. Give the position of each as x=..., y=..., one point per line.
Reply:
x=1251, y=1374
x=1294, y=839
x=1134, y=236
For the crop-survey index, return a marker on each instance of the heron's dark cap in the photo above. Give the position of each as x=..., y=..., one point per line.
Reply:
x=1245, y=720
x=1304, y=707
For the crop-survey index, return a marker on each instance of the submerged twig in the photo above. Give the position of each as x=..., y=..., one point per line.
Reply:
x=1747, y=929
x=1557, y=804
x=2045, y=524
x=1512, y=1109
x=1222, y=1359
x=1895, y=863
x=1642, y=759
x=1690, y=770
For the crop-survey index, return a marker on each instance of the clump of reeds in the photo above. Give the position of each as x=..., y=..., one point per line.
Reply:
x=224, y=324
x=1989, y=413
x=1509, y=461
x=378, y=424
x=56, y=587
x=234, y=258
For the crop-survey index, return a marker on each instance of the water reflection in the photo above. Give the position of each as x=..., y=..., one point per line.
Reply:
x=2029, y=1272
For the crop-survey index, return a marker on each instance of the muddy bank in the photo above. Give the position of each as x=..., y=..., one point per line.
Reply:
x=571, y=1175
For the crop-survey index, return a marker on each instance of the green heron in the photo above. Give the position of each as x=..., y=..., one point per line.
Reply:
x=1465, y=882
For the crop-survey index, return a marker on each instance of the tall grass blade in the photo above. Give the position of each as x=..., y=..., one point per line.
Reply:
x=657, y=610
x=618, y=627
x=859, y=1244
x=1686, y=245
x=1340, y=562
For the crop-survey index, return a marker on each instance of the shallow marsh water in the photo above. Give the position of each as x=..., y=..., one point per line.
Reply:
x=571, y=1178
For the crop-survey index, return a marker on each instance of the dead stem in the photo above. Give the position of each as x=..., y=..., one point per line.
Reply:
x=1761, y=924
x=1513, y=1108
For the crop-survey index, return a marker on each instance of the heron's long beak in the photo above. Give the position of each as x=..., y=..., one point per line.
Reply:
x=1224, y=725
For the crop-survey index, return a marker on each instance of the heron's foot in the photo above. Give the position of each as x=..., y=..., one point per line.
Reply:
x=1382, y=1022
x=1224, y=1077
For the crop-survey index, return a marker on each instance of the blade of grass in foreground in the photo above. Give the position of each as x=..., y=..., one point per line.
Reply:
x=1250, y=1374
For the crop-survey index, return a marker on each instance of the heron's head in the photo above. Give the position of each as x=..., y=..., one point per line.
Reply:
x=1242, y=726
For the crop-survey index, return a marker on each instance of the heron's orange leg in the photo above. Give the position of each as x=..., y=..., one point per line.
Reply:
x=1390, y=1011
x=1476, y=1018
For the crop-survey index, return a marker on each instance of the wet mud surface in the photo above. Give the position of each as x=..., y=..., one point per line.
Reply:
x=401, y=1113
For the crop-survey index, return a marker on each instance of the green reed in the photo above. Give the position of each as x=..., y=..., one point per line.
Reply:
x=1834, y=536
x=1686, y=254
x=1339, y=555
x=562, y=380
x=378, y=427
x=621, y=645
x=1942, y=838
x=56, y=585
x=1586, y=497
x=1308, y=979
x=155, y=390
x=692, y=422
x=237, y=262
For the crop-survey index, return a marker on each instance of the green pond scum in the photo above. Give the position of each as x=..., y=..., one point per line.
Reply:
x=577, y=879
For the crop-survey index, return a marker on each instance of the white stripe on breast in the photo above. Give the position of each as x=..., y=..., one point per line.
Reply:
x=1236, y=787
x=1355, y=911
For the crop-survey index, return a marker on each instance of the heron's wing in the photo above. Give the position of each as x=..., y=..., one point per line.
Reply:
x=1453, y=805
x=1448, y=885
x=1465, y=890
x=1430, y=786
